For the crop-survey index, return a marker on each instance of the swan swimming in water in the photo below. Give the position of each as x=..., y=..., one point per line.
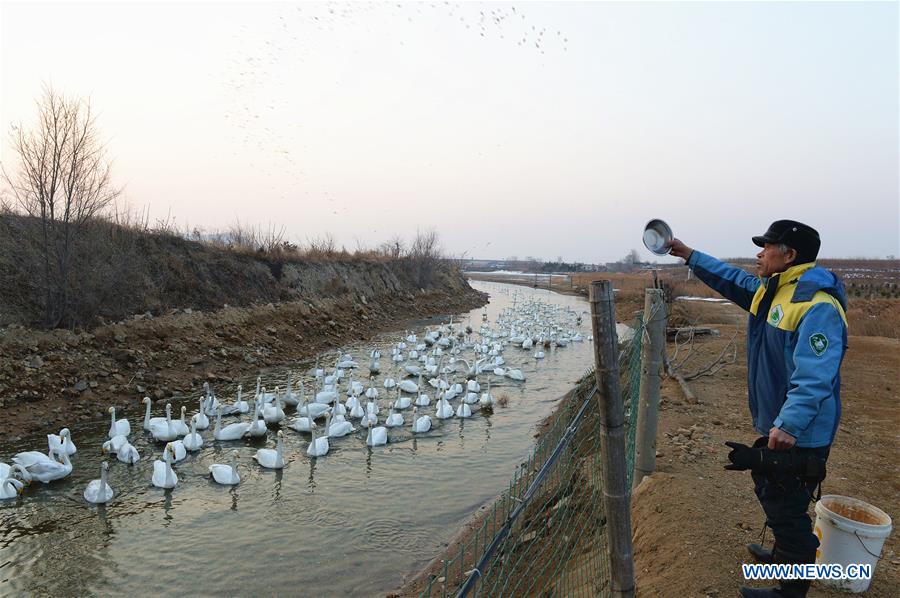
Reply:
x=226, y=475
x=377, y=436
x=394, y=419
x=165, y=431
x=257, y=429
x=272, y=459
x=420, y=424
x=339, y=428
x=117, y=427
x=318, y=446
x=62, y=443
x=163, y=476
x=10, y=488
x=231, y=431
x=193, y=441
x=148, y=421
x=99, y=491
x=128, y=454
x=48, y=471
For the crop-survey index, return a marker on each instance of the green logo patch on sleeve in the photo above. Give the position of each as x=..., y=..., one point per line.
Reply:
x=818, y=342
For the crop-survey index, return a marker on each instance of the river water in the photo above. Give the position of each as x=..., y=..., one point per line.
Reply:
x=356, y=521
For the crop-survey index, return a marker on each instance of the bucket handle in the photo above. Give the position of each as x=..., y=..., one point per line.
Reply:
x=877, y=556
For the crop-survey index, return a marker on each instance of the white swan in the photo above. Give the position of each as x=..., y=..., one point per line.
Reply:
x=202, y=419
x=28, y=458
x=272, y=459
x=422, y=399
x=239, y=407
x=377, y=436
x=98, y=491
x=117, y=427
x=371, y=393
x=394, y=419
x=114, y=444
x=10, y=488
x=193, y=441
x=273, y=413
x=539, y=354
x=471, y=398
x=128, y=454
x=48, y=471
x=210, y=403
x=463, y=410
x=338, y=428
x=404, y=402
x=257, y=429
x=327, y=395
x=62, y=443
x=181, y=427
x=302, y=423
x=165, y=431
x=163, y=476
x=357, y=411
x=443, y=409
x=314, y=410
x=420, y=424
x=409, y=386
x=351, y=402
x=290, y=398
x=318, y=446
x=473, y=385
x=231, y=431
x=148, y=421
x=487, y=399
x=515, y=375
x=179, y=453
x=7, y=471
x=226, y=474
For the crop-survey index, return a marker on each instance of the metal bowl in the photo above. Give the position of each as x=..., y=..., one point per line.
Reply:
x=656, y=234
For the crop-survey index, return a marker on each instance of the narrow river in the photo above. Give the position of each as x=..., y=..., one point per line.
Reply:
x=356, y=521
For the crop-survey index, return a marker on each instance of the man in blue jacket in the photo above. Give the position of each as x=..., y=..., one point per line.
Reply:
x=796, y=339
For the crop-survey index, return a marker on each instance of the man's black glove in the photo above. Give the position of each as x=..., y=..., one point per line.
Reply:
x=742, y=457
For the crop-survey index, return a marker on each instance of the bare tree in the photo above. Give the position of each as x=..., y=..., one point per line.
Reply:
x=62, y=179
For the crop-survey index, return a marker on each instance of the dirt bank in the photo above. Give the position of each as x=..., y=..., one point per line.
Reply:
x=693, y=519
x=54, y=379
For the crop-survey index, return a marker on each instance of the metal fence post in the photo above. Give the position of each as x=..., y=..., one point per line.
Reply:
x=612, y=439
x=655, y=318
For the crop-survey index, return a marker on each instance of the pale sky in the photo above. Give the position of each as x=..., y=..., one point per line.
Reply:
x=541, y=129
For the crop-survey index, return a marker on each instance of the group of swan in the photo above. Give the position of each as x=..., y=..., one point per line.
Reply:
x=438, y=354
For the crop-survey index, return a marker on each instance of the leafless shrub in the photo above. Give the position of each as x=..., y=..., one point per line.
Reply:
x=63, y=179
x=323, y=246
x=425, y=254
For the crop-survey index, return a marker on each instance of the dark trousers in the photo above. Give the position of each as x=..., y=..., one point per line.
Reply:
x=785, y=500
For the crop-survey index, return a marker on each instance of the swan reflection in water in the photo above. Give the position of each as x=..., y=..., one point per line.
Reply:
x=167, y=508
x=234, y=497
x=311, y=480
x=276, y=487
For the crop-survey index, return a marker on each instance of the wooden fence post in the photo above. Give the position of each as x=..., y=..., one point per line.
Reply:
x=612, y=439
x=655, y=318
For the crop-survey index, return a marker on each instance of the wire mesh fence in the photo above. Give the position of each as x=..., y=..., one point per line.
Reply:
x=544, y=535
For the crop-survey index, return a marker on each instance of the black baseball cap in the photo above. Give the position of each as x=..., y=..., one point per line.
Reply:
x=801, y=237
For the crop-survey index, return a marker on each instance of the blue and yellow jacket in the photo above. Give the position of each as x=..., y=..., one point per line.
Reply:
x=796, y=339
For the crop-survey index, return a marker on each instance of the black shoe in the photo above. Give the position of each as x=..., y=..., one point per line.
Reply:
x=759, y=553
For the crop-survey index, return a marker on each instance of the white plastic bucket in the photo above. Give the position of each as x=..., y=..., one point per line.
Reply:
x=850, y=531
